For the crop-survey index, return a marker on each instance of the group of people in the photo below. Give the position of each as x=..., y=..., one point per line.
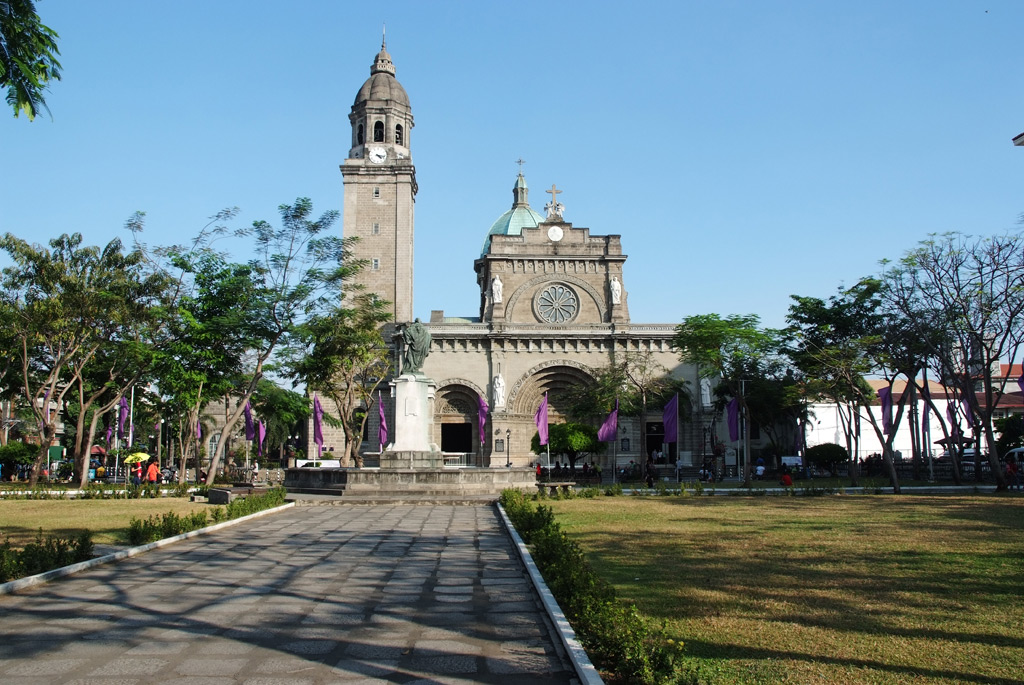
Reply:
x=558, y=471
x=151, y=472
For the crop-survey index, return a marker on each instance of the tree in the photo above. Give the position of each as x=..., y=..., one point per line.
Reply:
x=734, y=348
x=574, y=441
x=834, y=347
x=975, y=288
x=827, y=455
x=344, y=356
x=65, y=304
x=283, y=411
x=632, y=378
x=15, y=454
x=1011, y=432
x=28, y=56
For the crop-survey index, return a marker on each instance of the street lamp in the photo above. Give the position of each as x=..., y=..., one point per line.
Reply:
x=508, y=448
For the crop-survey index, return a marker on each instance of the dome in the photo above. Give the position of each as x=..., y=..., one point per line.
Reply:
x=516, y=219
x=382, y=84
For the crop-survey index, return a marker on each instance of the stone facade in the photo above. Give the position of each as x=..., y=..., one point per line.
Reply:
x=553, y=306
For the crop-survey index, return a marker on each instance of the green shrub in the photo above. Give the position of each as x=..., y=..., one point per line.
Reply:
x=827, y=455
x=243, y=506
x=45, y=554
x=617, y=638
x=613, y=490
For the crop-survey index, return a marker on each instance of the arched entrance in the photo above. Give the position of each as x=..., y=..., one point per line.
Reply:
x=455, y=422
x=557, y=379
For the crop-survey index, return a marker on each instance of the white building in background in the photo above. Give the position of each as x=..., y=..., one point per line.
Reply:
x=826, y=426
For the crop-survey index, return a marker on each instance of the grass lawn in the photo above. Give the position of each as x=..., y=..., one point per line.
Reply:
x=108, y=519
x=837, y=589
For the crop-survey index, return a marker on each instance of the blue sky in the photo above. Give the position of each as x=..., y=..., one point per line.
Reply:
x=744, y=151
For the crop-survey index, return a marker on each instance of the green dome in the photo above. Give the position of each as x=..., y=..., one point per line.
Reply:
x=516, y=219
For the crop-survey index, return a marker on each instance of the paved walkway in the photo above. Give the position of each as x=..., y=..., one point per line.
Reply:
x=320, y=594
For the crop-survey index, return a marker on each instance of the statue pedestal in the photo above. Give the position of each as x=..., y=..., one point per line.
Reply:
x=414, y=395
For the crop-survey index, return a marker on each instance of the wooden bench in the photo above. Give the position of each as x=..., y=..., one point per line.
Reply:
x=555, y=485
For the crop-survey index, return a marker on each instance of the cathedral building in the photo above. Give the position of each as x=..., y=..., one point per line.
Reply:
x=554, y=306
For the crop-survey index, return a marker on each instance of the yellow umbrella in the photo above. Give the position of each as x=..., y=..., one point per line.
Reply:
x=136, y=457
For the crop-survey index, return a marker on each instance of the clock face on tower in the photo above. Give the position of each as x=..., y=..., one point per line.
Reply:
x=555, y=233
x=378, y=155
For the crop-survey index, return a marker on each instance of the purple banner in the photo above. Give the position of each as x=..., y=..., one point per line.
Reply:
x=670, y=417
x=262, y=434
x=382, y=429
x=885, y=394
x=122, y=416
x=318, y=432
x=610, y=428
x=541, y=419
x=481, y=417
x=250, y=429
x=733, y=416
x=954, y=423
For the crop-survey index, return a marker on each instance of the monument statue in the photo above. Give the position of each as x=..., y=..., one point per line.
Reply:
x=616, y=288
x=499, y=391
x=705, y=392
x=416, y=338
x=496, y=290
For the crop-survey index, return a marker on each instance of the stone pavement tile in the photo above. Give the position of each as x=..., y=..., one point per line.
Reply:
x=210, y=667
x=337, y=595
x=130, y=667
x=355, y=669
x=39, y=667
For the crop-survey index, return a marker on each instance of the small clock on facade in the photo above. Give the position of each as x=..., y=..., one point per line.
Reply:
x=378, y=155
x=555, y=233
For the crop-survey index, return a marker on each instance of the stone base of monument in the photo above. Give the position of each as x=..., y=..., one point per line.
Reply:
x=415, y=484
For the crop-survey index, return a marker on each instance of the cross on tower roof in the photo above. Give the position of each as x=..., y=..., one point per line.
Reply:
x=554, y=193
x=520, y=162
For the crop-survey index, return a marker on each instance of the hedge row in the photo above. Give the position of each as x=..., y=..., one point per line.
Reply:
x=43, y=555
x=625, y=646
x=170, y=524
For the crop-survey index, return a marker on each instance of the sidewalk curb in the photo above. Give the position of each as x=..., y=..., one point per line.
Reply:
x=40, y=578
x=581, y=662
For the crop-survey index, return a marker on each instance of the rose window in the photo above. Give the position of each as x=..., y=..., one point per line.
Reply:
x=557, y=304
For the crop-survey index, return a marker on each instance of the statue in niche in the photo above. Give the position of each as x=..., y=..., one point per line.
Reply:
x=616, y=289
x=416, y=339
x=496, y=287
x=499, y=391
x=705, y=392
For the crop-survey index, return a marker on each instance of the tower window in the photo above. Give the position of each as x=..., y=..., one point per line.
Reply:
x=376, y=228
x=376, y=191
x=359, y=134
x=378, y=132
x=399, y=138
x=375, y=264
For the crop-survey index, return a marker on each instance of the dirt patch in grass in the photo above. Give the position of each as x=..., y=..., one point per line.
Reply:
x=851, y=589
x=108, y=519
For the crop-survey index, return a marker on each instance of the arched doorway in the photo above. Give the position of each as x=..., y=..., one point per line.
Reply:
x=556, y=378
x=455, y=420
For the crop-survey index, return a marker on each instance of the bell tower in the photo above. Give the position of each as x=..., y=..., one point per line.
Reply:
x=380, y=187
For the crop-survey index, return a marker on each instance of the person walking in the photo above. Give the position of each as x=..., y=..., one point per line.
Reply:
x=153, y=473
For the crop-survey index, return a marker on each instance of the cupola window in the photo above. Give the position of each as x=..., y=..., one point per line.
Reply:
x=378, y=132
x=359, y=135
x=399, y=138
